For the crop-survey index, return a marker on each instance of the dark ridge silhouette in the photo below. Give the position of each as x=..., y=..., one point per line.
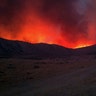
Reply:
x=19, y=49
x=90, y=50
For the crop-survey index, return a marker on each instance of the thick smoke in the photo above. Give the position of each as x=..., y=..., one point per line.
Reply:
x=10, y=19
x=73, y=16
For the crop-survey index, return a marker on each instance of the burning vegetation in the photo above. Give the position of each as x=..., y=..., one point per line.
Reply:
x=70, y=23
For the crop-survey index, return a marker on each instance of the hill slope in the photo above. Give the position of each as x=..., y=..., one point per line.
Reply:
x=9, y=48
x=19, y=49
x=90, y=50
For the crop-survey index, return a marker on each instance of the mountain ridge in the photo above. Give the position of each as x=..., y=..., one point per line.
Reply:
x=20, y=49
x=14, y=48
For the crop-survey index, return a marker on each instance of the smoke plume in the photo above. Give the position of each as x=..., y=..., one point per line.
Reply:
x=65, y=22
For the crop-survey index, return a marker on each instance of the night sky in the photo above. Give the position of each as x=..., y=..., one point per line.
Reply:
x=75, y=20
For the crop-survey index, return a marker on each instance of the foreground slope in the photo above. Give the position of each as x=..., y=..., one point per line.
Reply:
x=80, y=81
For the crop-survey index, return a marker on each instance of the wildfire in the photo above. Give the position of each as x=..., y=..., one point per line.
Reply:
x=44, y=32
x=82, y=45
x=29, y=25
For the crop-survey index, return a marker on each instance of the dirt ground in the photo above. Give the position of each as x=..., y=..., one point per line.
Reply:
x=78, y=73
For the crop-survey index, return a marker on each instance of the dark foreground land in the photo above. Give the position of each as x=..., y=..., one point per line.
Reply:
x=70, y=76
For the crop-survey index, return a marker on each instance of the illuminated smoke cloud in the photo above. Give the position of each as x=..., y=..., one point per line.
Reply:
x=70, y=14
x=10, y=19
x=73, y=16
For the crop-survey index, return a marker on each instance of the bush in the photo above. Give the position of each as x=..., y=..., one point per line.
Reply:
x=36, y=66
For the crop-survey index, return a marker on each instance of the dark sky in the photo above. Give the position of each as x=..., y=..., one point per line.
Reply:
x=74, y=16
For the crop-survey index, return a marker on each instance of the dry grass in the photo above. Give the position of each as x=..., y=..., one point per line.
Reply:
x=13, y=71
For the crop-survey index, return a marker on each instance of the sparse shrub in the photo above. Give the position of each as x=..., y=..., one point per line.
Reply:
x=43, y=62
x=11, y=66
x=61, y=62
x=36, y=66
x=1, y=72
x=29, y=73
x=40, y=62
x=31, y=78
x=94, y=56
x=81, y=66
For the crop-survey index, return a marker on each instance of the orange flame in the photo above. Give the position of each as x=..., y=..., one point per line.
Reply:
x=38, y=30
